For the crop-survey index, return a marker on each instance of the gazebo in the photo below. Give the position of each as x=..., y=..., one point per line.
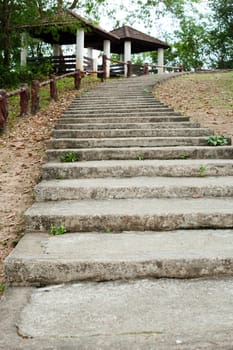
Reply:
x=72, y=28
x=134, y=41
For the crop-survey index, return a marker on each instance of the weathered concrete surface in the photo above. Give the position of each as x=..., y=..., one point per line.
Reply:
x=159, y=112
x=134, y=187
x=119, y=142
x=196, y=152
x=40, y=259
x=145, y=126
x=132, y=133
x=131, y=168
x=131, y=214
x=77, y=111
x=120, y=119
x=146, y=314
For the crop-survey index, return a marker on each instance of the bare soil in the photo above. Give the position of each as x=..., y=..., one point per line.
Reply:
x=205, y=98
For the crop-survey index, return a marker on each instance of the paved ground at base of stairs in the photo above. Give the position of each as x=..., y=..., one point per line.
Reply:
x=41, y=319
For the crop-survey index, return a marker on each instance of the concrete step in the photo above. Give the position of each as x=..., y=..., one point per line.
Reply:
x=40, y=259
x=113, y=109
x=119, y=215
x=145, y=126
x=118, y=95
x=188, y=132
x=94, y=120
x=129, y=126
x=117, y=104
x=140, y=153
x=132, y=168
x=158, y=112
x=134, y=187
x=119, y=142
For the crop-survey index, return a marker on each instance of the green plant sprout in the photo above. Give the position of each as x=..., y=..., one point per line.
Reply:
x=184, y=155
x=57, y=230
x=216, y=140
x=69, y=157
x=140, y=156
x=2, y=287
x=202, y=171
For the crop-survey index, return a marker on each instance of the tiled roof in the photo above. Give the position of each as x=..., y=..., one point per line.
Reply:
x=126, y=32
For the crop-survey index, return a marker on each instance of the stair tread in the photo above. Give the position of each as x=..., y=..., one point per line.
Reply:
x=131, y=207
x=140, y=181
x=146, y=162
x=128, y=246
x=40, y=258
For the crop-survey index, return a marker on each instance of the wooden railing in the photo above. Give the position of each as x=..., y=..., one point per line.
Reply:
x=34, y=97
x=118, y=69
x=62, y=64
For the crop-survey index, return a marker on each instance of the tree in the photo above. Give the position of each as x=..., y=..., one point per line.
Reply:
x=16, y=12
x=221, y=35
x=190, y=45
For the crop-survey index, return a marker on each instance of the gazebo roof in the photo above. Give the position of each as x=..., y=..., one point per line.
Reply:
x=62, y=30
x=140, y=42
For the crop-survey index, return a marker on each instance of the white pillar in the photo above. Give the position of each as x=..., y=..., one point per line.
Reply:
x=24, y=50
x=160, y=60
x=95, y=64
x=79, y=49
x=107, y=52
x=127, y=54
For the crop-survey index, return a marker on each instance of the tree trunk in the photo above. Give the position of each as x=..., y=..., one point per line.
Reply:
x=5, y=28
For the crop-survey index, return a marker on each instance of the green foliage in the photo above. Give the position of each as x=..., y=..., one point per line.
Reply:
x=20, y=75
x=202, y=171
x=57, y=230
x=140, y=156
x=69, y=157
x=2, y=288
x=189, y=46
x=216, y=140
x=221, y=35
x=184, y=155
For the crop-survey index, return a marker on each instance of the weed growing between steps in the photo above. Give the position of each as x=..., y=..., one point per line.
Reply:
x=202, y=171
x=57, y=230
x=140, y=156
x=184, y=155
x=215, y=140
x=70, y=157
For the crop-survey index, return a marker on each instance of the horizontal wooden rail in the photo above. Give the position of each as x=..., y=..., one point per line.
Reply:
x=25, y=96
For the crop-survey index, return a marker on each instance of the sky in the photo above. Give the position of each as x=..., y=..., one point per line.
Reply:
x=163, y=25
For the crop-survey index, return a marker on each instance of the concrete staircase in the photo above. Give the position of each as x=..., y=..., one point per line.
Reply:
x=148, y=197
x=142, y=169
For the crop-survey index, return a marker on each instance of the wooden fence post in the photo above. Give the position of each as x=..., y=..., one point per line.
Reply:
x=77, y=79
x=35, y=96
x=24, y=100
x=3, y=108
x=146, y=69
x=53, y=88
x=104, y=76
x=129, y=69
